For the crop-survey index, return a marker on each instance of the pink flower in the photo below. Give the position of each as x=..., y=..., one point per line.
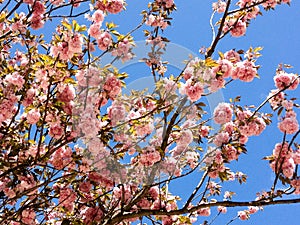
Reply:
x=204, y=211
x=283, y=80
x=104, y=41
x=269, y=4
x=38, y=8
x=232, y=56
x=67, y=94
x=193, y=91
x=56, y=131
x=245, y=71
x=289, y=125
x=243, y=215
x=28, y=217
x=186, y=138
x=15, y=79
x=252, y=209
x=57, y=2
x=283, y=150
x=221, y=138
x=67, y=199
x=36, y=21
x=296, y=184
x=288, y=167
x=230, y=152
x=149, y=156
x=296, y=156
x=98, y=17
x=204, y=131
x=237, y=27
x=216, y=83
x=219, y=6
x=94, y=30
x=222, y=209
x=85, y=186
x=277, y=99
x=115, y=6
x=168, y=3
x=91, y=215
x=224, y=68
x=112, y=86
x=116, y=113
x=75, y=43
x=223, y=113
x=29, y=2
x=33, y=116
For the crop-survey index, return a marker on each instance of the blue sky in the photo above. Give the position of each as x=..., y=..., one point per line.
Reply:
x=278, y=32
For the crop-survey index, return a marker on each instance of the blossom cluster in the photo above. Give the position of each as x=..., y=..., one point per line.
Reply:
x=211, y=74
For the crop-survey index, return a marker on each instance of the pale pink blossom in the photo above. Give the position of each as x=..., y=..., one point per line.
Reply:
x=85, y=186
x=243, y=215
x=186, y=137
x=98, y=17
x=167, y=3
x=204, y=211
x=104, y=41
x=114, y=6
x=75, y=43
x=57, y=2
x=245, y=71
x=15, y=79
x=288, y=167
x=116, y=113
x=296, y=184
x=36, y=21
x=223, y=113
x=204, y=131
x=67, y=199
x=230, y=152
x=219, y=6
x=222, y=209
x=296, y=156
x=91, y=215
x=94, y=30
x=232, y=56
x=112, y=85
x=216, y=83
x=269, y=4
x=277, y=98
x=236, y=27
x=149, y=156
x=33, y=116
x=289, y=125
x=29, y=2
x=221, y=138
x=252, y=209
x=193, y=91
x=38, y=8
x=56, y=131
x=28, y=217
x=283, y=80
x=67, y=93
x=283, y=150
x=224, y=68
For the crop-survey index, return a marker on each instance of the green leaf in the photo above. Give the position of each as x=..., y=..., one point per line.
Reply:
x=75, y=25
x=67, y=25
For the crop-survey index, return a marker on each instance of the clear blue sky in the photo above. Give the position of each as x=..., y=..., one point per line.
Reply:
x=278, y=32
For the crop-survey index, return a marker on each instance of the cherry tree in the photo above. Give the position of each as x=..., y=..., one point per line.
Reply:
x=76, y=149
